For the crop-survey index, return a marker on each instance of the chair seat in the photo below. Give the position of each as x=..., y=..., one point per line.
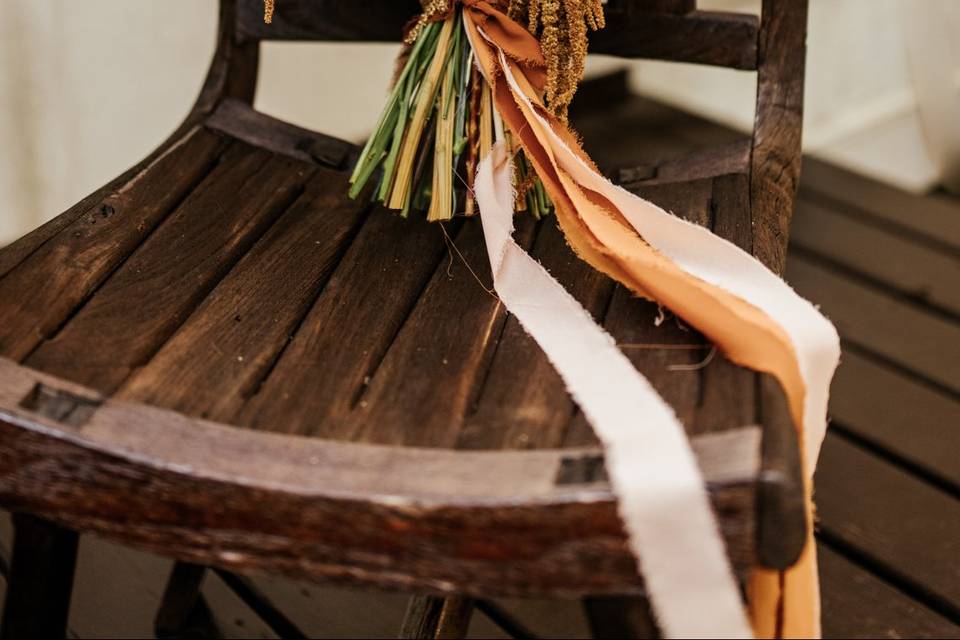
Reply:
x=225, y=358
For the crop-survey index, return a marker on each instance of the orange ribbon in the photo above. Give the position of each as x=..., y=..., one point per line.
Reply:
x=782, y=604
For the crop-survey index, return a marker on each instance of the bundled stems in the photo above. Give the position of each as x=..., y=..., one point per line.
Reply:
x=439, y=122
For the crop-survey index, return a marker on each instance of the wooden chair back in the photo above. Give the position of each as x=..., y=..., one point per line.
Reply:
x=772, y=45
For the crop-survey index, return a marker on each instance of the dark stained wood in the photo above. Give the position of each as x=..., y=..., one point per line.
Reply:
x=44, y=289
x=250, y=594
x=923, y=273
x=857, y=604
x=934, y=219
x=183, y=611
x=431, y=617
x=421, y=390
x=534, y=411
x=781, y=515
x=703, y=37
x=874, y=320
x=238, y=120
x=904, y=528
x=778, y=128
x=699, y=37
x=165, y=279
x=619, y=617
x=40, y=581
x=349, y=329
x=505, y=620
x=241, y=327
x=898, y=414
x=189, y=491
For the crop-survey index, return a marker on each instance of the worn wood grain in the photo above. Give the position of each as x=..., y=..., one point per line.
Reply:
x=633, y=31
x=221, y=354
x=907, y=529
x=534, y=409
x=239, y=120
x=188, y=490
x=778, y=127
x=43, y=290
x=879, y=322
x=857, y=604
x=315, y=384
x=121, y=327
x=428, y=375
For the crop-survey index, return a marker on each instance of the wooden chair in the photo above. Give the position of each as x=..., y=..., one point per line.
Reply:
x=221, y=358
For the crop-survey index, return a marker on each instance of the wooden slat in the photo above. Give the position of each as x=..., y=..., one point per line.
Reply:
x=857, y=604
x=349, y=329
x=934, y=217
x=898, y=414
x=523, y=403
x=45, y=288
x=902, y=526
x=704, y=37
x=220, y=355
x=700, y=37
x=422, y=389
x=154, y=291
x=925, y=343
x=902, y=264
x=238, y=120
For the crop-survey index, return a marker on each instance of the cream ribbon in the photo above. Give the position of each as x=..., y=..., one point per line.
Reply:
x=661, y=493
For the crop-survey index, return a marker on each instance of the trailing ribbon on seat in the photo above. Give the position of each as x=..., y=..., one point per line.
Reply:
x=747, y=311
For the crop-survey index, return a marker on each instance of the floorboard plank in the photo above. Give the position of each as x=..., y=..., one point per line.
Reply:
x=857, y=604
x=898, y=263
x=934, y=217
x=906, y=334
x=898, y=414
x=902, y=526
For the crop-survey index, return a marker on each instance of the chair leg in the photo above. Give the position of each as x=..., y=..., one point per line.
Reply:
x=433, y=618
x=620, y=617
x=41, y=580
x=184, y=612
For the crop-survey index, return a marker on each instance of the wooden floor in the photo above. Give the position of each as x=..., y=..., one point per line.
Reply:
x=885, y=266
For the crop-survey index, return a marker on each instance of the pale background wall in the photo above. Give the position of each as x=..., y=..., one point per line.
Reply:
x=87, y=87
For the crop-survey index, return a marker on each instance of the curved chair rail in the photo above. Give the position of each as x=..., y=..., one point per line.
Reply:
x=497, y=522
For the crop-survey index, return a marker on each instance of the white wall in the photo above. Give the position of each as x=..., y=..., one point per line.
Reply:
x=89, y=87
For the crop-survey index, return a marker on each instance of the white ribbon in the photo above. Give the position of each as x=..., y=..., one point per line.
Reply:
x=661, y=493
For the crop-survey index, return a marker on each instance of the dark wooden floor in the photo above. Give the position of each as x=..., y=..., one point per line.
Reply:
x=885, y=266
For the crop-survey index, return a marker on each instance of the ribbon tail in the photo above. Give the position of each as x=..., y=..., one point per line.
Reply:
x=662, y=496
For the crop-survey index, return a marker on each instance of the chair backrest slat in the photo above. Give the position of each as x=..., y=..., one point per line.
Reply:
x=656, y=29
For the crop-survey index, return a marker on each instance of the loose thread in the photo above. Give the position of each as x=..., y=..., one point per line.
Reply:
x=451, y=244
